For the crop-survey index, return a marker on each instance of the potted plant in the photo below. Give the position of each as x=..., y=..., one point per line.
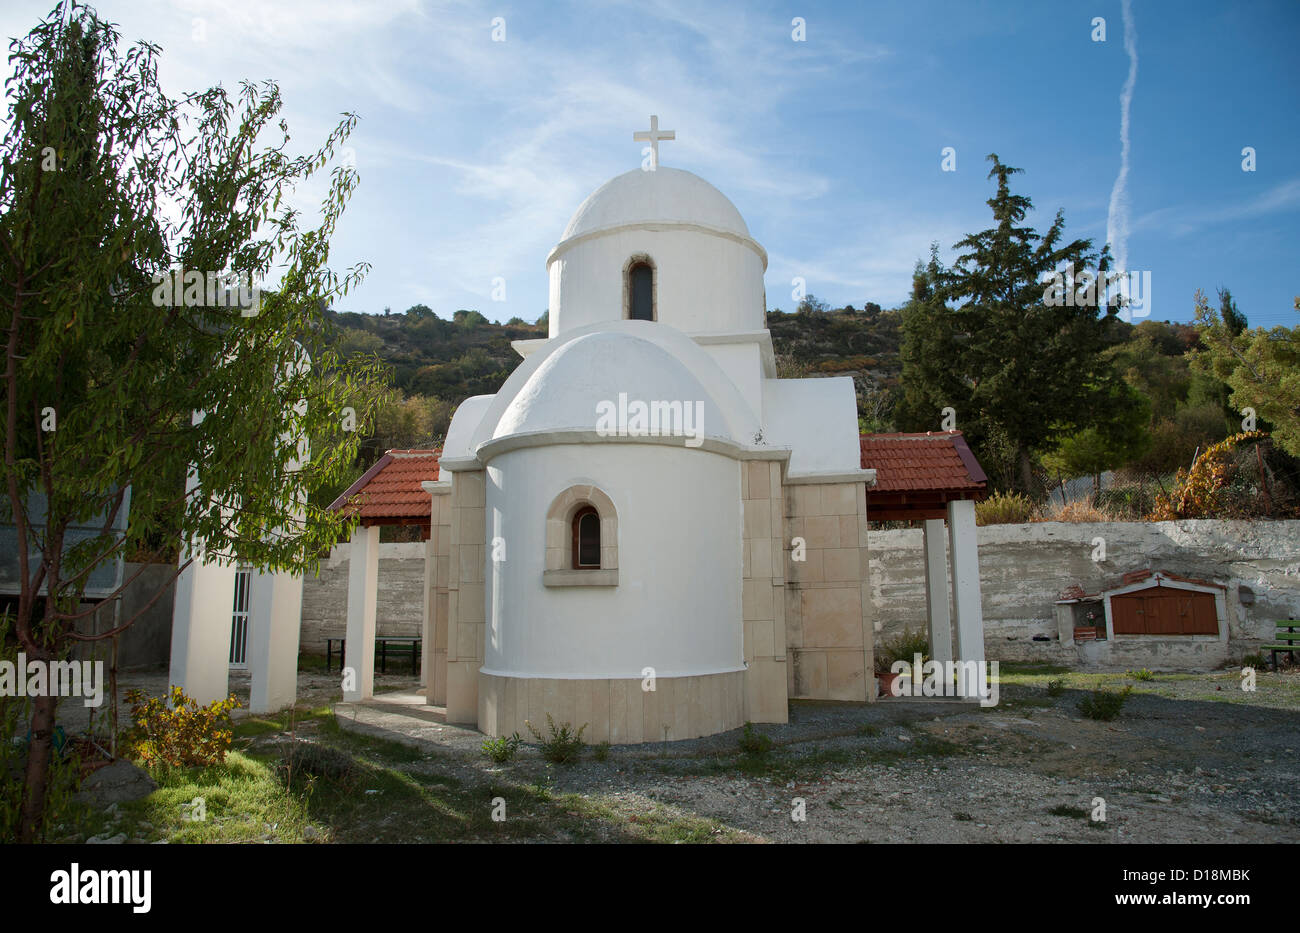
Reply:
x=904, y=647
x=1086, y=629
x=884, y=676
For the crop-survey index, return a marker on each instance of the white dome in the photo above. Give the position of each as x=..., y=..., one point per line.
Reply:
x=664, y=196
x=565, y=390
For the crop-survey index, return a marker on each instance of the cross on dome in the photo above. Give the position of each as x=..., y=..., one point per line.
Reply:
x=652, y=136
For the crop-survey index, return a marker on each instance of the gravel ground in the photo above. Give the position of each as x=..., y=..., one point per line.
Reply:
x=1168, y=770
x=1191, y=758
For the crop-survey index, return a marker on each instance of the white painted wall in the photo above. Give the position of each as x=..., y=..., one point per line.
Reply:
x=679, y=530
x=200, y=652
x=743, y=364
x=703, y=282
x=629, y=365
x=816, y=417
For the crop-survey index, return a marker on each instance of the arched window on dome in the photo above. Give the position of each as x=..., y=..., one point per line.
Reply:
x=581, y=539
x=586, y=538
x=639, y=289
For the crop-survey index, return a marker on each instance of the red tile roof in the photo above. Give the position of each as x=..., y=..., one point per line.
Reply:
x=934, y=461
x=390, y=492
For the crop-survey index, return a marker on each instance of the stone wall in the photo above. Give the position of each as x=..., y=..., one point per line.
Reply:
x=1025, y=568
x=763, y=592
x=399, y=606
x=827, y=618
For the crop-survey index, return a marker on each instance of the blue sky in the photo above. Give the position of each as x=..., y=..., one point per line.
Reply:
x=473, y=153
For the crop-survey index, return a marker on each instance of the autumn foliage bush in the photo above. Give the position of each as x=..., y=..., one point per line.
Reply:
x=181, y=733
x=1243, y=476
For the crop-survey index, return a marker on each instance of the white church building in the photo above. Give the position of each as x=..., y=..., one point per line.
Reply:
x=645, y=530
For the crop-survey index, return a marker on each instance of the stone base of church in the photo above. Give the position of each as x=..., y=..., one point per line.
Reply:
x=617, y=711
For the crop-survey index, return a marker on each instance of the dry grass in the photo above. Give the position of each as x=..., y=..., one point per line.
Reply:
x=1005, y=508
x=1080, y=511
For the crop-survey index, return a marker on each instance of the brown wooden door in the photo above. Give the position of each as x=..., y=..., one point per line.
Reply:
x=1127, y=614
x=1201, y=617
x=1161, y=610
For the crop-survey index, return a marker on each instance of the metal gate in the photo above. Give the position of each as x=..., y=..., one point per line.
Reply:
x=239, y=619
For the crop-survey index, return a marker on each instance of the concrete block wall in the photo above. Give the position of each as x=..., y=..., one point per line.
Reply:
x=1025, y=568
x=147, y=641
x=399, y=605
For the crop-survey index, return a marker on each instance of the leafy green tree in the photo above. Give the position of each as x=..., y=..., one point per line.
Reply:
x=811, y=304
x=469, y=318
x=1119, y=434
x=106, y=187
x=981, y=337
x=1261, y=368
x=1233, y=320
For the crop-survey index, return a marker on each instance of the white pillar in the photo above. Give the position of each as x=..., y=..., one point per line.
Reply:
x=363, y=581
x=966, y=584
x=274, y=620
x=936, y=590
x=426, y=630
x=201, y=617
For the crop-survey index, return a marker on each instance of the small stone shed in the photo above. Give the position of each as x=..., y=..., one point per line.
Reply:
x=1150, y=618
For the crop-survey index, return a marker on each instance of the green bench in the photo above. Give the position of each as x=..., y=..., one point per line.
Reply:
x=1287, y=638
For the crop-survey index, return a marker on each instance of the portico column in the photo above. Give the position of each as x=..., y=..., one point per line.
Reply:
x=936, y=591
x=200, y=654
x=275, y=616
x=966, y=584
x=363, y=581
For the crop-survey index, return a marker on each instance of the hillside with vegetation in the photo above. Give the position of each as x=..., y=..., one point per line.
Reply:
x=437, y=362
x=1054, y=388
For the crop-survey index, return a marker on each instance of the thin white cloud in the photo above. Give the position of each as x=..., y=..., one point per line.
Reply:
x=1181, y=221
x=1117, y=220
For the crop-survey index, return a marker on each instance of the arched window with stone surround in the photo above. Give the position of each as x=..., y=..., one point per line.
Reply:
x=640, y=289
x=581, y=539
x=586, y=538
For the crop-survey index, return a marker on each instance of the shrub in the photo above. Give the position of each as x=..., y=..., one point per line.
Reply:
x=1005, y=508
x=1255, y=660
x=1055, y=687
x=753, y=742
x=904, y=647
x=1079, y=511
x=562, y=745
x=184, y=734
x=1143, y=674
x=1214, y=486
x=600, y=751
x=1103, y=704
x=502, y=748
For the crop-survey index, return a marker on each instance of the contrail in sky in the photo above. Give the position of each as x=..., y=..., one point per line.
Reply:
x=1117, y=218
